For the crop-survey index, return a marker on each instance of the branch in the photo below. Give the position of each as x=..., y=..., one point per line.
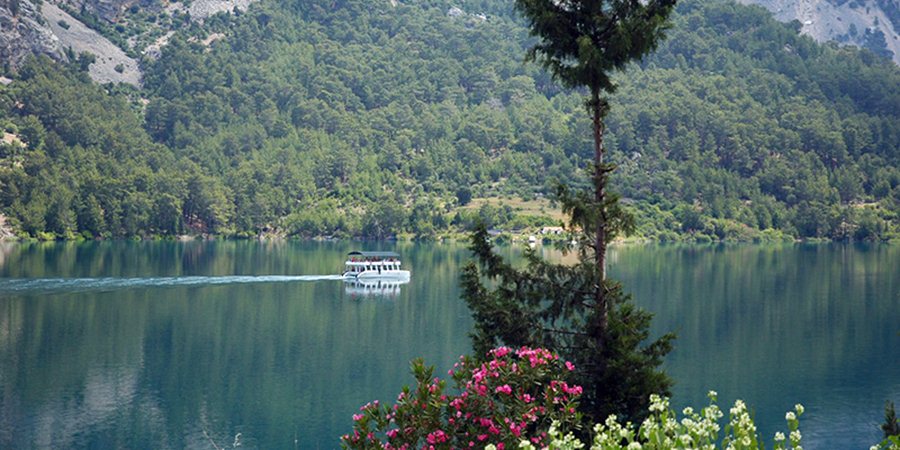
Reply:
x=557, y=330
x=211, y=441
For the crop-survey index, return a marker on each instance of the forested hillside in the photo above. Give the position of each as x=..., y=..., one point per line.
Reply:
x=361, y=118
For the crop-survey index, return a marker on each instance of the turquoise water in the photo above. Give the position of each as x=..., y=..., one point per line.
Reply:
x=179, y=345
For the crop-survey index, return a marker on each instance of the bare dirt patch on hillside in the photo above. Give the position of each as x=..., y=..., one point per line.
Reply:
x=6, y=232
x=201, y=9
x=83, y=39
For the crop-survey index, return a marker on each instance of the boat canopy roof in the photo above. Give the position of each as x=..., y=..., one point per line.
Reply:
x=379, y=255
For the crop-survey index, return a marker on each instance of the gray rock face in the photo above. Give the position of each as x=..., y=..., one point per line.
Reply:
x=26, y=28
x=847, y=22
x=202, y=9
x=23, y=32
x=109, y=10
x=83, y=39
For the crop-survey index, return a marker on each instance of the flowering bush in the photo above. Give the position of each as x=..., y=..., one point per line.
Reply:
x=515, y=395
x=663, y=430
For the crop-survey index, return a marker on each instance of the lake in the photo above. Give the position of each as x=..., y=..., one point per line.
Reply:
x=185, y=345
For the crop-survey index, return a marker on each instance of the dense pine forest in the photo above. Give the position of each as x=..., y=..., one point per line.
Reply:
x=354, y=118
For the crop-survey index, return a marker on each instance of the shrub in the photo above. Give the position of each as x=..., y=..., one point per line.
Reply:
x=663, y=430
x=514, y=394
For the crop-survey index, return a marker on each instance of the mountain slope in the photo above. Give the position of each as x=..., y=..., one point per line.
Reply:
x=354, y=118
x=116, y=32
x=23, y=32
x=872, y=24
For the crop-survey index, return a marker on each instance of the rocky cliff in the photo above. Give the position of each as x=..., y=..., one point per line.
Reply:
x=29, y=27
x=872, y=24
x=108, y=10
x=24, y=31
x=112, y=64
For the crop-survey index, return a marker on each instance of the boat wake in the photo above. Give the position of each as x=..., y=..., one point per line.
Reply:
x=102, y=284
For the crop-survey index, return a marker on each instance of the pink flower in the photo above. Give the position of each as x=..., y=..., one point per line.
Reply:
x=357, y=417
x=437, y=437
x=501, y=352
x=505, y=389
x=570, y=366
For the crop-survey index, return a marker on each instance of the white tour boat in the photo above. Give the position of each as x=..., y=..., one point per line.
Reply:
x=373, y=287
x=374, y=265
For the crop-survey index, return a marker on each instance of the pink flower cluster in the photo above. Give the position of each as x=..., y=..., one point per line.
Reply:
x=501, y=401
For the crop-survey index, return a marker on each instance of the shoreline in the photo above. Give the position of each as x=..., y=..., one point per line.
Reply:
x=504, y=239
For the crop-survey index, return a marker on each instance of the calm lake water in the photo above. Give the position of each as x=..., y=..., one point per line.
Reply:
x=174, y=345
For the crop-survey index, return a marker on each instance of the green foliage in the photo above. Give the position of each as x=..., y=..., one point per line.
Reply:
x=304, y=106
x=663, y=430
x=576, y=310
x=88, y=165
x=554, y=306
x=582, y=42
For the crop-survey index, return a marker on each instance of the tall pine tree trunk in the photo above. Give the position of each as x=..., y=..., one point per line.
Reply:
x=600, y=198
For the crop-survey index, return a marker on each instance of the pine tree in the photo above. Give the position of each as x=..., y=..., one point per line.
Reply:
x=576, y=310
x=890, y=427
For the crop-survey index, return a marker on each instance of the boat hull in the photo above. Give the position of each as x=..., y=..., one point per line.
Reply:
x=376, y=275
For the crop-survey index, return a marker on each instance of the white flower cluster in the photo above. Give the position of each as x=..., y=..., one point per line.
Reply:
x=663, y=430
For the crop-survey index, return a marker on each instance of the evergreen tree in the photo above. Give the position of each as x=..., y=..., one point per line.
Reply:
x=576, y=310
x=890, y=427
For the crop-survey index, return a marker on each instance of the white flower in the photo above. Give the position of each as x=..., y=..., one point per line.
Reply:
x=746, y=441
x=658, y=403
x=670, y=425
x=799, y=408
x=790, y=416
x=712, y=395
x=795, y=437
x=688, y=411
x=779, y=437
x=634, y=446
